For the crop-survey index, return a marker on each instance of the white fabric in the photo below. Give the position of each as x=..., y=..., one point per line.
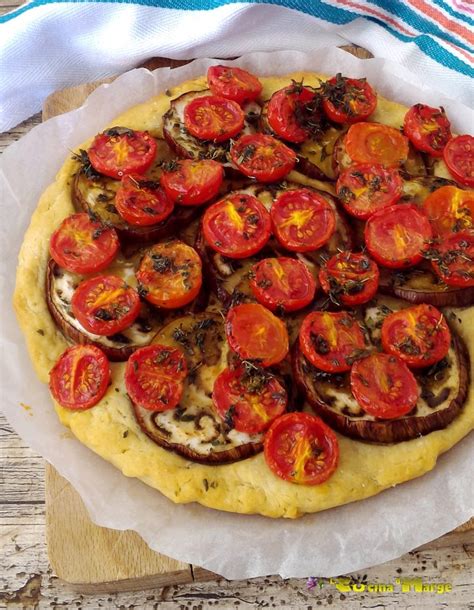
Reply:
x=54, y=46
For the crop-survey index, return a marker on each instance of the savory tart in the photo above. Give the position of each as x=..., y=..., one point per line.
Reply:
x=234, y=291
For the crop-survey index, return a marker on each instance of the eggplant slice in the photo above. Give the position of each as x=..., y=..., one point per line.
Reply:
x=194, y=429
x=60, y=285
x=443, y=387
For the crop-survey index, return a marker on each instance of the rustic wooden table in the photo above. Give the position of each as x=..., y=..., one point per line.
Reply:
x=26, y=579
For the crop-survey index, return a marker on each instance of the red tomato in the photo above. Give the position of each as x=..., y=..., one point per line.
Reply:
x=105, y=305
x=142, y=202
x=427, y=128
x=233, y=83
x=170, y=274
x=332, y=341
x=154, y=377
x=459, y=157
x=384, y=386
x=348, y=100
x=120, y=151
x=284, y=113
x=453, y=259
x=254, y=333
x=302, y=220
x=397, y=236
x=450, y=210
x=262, y=157
x=419, y=335
x=191, y=182
x=349, y=278
x=211, y=117
x=82, y=245
x=282, y=283
x=300, y=448
x=364, y=189
x=80, y=377
x=248, y=401
x=374, y=143
x=237, y=226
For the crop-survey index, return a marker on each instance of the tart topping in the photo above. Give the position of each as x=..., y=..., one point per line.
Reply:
x=450, y=210
x=80, y=377
x=349, y=278
x=348, y=100
x=459, y=157
x=189, y=182
x=142, y=202
x=233, y=83
x=376, y=143
x=215, y=118
x=262, y=157
x=285, y=110
x=453, y=259
x=427, y=128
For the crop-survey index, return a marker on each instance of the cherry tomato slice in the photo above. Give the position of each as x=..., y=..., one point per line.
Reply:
x=349, y=278
x=348, y=100
x=427, y=128
x=375, y=143
x=80, y=377
x=453, y=259
x=211, y=117
x=237, y=226
x=119, y=151
x=332, y=341
x=459, y=157
x=191, y=182
x=419, y=335
x=254, y=333
x=248, y=400
x=262, y=157
x=284, y=110
x=302, y=220
x=300, y=448
x=105, y=305
x=142, y=202
x=282, y=283
x=397, y=236
x=170, y=274
x=154, y=377
x=384, y=386
x=450, y=210
x=82, y=245
x=365, y=189
x=233, y=83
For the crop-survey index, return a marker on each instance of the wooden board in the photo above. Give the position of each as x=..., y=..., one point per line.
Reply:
x=96, y=559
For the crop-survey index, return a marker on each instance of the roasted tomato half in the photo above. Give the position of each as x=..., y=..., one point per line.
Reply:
x=398, y=236
x=262, y=157
x=365, y=189
x=419, y=335
x=154, y=377
x=374, y=143
x=282, y=283
x=233, y=83
x=459, y=157
x=285, y=112
x=105, y=305
x=301, y=448
x=189, y=182
x=450, y=210
x=80, y=377
x=170, y=274
x=82, y=245
x=427, y=128
x=254, y=333
x=248, y=399
x=348, y=100
x=237, y=226
x=302, y=220
x=384, y=386
x=142, y=202
x=332, y=341
x=215, y=118
x=452, y=258
x=349, y=278
x=119, y=151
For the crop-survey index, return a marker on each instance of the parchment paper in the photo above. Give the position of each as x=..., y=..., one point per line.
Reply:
x=334, y=542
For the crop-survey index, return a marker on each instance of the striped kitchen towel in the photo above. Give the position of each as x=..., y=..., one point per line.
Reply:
x=51, y=44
